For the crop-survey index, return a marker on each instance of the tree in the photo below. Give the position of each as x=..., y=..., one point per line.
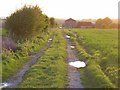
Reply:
x=114, y=25
x=99, y=23
x=107, y=22
x=103, y=23
x=52, y=22
x=26, y=22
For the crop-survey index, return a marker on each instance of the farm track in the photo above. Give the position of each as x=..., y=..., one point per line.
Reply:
x=73, y=73
x=18, y=77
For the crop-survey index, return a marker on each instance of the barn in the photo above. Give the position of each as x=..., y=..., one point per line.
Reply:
x=69, y=23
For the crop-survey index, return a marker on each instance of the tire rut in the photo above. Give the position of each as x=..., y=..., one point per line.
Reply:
x=73, y=73
x=18, y=77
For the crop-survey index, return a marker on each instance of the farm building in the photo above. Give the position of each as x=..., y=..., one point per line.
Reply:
x=85, y=25
x=70, y=23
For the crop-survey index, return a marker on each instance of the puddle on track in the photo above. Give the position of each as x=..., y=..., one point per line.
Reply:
x=77, y=64
x=73, y=73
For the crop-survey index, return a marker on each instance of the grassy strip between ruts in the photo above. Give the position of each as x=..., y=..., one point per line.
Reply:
x=12, y=61
x=50, y=70
x=92, y=75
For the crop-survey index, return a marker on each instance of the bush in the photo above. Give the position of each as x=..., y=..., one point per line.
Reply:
x=27, y=22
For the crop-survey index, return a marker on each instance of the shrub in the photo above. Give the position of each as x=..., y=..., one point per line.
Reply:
x=26, y=22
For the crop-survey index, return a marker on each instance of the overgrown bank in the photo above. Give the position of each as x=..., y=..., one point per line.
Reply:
x=13, y=61
x=30, y=29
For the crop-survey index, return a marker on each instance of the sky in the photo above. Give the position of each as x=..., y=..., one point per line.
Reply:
x=77, y=9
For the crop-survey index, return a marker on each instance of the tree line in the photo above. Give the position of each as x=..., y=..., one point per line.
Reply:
x=27, y=22
x=105, y=23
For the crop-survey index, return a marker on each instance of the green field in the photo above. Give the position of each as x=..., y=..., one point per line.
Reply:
x=104, y=41
x=100, y=50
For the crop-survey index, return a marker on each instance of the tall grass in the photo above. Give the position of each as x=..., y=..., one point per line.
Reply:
x=94, y=77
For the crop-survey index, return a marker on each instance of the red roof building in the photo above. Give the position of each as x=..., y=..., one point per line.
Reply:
x=70, y=19
x=70, y=23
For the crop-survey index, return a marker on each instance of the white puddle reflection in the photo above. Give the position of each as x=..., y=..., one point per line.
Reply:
x=50, y=40
x=77, y=64
x=72, y=47
x=67, y=36
x=3, y=85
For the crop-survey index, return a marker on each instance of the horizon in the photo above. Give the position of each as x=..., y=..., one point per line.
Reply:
x=81, y=19
x=64, y=9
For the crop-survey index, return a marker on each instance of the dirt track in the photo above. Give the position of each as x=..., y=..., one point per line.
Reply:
x=73, y=73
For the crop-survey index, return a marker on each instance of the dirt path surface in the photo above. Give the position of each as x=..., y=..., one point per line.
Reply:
x=73, y=73
x=18, y=77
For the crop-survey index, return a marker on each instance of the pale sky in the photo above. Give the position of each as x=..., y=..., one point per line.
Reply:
x=77, y=9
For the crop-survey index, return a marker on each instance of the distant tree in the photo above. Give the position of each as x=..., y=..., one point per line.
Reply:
x=114, y=25
x=107, y=22
x=99, y=23
x=52, y=22
x=103, y=23
x=26, y=22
